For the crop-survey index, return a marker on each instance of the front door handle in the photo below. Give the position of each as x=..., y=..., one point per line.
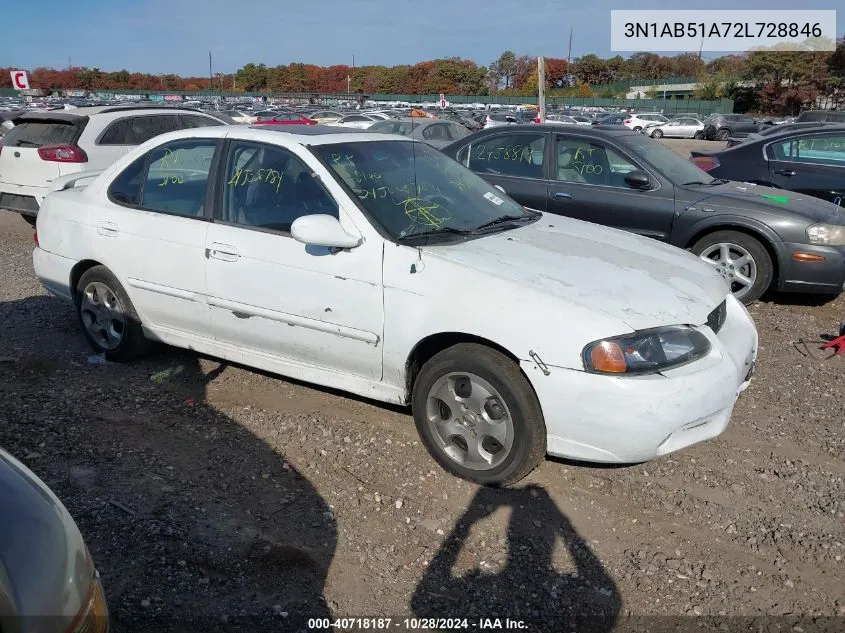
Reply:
x=223, y=252
x=784, y=172
x=562, y=195
x=108, y=229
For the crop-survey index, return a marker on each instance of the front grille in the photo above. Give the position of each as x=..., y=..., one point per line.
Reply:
x=716, y=319
x=16, y=202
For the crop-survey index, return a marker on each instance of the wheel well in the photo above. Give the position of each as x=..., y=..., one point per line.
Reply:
x=435, y=344
x=751, y=233
x=77, y=271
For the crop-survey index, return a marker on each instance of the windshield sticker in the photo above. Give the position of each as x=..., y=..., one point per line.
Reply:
x=492, y=197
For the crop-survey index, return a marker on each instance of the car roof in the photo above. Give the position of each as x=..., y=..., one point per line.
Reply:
x=795, y=129
x=301, y=134
x=581, y=129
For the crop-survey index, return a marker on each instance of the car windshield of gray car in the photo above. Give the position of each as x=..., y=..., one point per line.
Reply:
x=668, y=163
x=411, y=189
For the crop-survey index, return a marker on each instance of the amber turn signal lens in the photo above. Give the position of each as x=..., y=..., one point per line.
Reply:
x=608, y=357
x=807, y=257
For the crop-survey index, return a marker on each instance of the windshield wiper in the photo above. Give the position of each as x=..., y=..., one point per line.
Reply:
x=501, y=220
x=441, y=230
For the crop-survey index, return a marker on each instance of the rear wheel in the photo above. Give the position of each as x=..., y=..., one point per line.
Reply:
x=723, y=134
x=108, y=318
x=698, y=135
x=638, y=129
x=741, y=260
x=657, y=134
x=478, y=416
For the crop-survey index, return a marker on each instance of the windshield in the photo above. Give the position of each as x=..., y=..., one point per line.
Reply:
x=666, y=161
x=411, y=188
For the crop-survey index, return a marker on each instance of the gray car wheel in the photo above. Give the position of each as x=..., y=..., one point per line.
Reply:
x=657, y=134
x=723, y=134
x=741, y=260
x=478, y=416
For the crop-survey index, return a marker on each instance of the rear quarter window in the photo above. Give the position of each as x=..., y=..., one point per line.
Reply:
x=38, y=133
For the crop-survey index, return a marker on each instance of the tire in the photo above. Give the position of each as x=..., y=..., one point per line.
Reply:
x=723, y=134
x=698, y=136
x=500, y=389
x=657, y=134
x=29, y=219
x=760, y=269
x=638, y=129
x=100, y=298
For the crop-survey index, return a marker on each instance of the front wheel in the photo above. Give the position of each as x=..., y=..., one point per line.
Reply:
x=657, y=134
x=723, y=135
x=698, y=136
x=478, y=416
x=108, y=318
x=741, y=260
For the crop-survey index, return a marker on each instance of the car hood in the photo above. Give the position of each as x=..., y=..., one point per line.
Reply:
x=641, y=282
x=746, y=196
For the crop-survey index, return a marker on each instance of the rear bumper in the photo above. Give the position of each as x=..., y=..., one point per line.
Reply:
x=21, y=198
x=823, y=277
x=53, y=271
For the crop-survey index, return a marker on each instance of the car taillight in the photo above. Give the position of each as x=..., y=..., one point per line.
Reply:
x=35, y=237
x=62, y=154
x=705, y=162
x=1, y=147
x=627, y=121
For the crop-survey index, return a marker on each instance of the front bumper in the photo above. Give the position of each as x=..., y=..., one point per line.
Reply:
x=826, y=276
x=632, y=419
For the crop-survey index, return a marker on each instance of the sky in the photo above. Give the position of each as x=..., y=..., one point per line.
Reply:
x=175, y=36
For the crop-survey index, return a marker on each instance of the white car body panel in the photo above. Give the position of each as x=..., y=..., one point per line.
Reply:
x=351, y=319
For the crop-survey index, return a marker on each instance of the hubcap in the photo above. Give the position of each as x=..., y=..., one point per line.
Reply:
x=470, y=420
x=102, y=315
x=735, y=264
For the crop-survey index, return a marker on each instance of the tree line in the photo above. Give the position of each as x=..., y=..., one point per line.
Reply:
x=772, y=81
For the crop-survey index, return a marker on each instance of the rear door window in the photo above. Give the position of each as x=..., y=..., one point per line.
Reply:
x=195, y=120
x=143, y=128
x=519, y=154
x=38, y=133
x=116, y=134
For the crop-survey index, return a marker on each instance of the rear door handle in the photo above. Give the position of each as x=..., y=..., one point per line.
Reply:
x=109, y=229
x=562, y=195
x=784, y=172
x=224, y=252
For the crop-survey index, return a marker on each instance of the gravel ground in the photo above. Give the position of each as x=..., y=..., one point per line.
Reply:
x=214, y=497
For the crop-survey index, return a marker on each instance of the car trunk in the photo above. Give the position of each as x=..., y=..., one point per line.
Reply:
x=20, y=163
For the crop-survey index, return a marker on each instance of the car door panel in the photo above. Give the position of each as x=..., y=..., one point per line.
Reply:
x=157, y=248
x=813, y=165
x=590, y=186
x=276, y=296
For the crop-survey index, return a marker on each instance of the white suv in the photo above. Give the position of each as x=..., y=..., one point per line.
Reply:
x=45, y=145
x=638, y=122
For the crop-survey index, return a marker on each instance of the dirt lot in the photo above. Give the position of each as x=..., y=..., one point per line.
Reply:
x=214, y=497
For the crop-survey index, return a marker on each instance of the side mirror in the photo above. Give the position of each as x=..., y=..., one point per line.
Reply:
x=637, y=180
x=322, y=230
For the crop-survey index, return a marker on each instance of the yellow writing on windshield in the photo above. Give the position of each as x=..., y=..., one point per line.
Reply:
x=422, y=211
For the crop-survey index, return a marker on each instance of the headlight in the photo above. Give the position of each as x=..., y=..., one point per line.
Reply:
x=94, y=615
x=646, y=351
x=827, y=234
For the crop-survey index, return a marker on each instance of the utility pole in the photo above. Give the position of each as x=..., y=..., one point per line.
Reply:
x=569, y=54
x=210, y=77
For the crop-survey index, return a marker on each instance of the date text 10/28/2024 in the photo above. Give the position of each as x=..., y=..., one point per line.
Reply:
x=416, y=624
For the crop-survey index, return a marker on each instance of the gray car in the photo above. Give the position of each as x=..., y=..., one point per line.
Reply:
x=48, y=582
x=435, y=132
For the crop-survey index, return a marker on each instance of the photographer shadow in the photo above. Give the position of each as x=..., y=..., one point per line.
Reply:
x=529, y=588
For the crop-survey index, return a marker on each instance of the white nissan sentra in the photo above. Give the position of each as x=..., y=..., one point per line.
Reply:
x=376, y=265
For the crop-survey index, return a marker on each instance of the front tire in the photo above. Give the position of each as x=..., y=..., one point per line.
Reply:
x=478, y=416
x=657, y=134
x=723, y=134
x=741, y=259
x=107, y=317
x=698, y=136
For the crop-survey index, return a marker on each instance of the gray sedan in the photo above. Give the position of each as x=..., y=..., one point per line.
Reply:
x=45, y=568
x=435, y=132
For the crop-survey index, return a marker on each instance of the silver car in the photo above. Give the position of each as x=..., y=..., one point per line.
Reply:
x=435, y=132
x=48, y=582
x=684, y=127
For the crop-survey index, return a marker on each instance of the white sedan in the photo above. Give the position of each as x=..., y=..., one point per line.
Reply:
x=373, y=264
x=358, y=121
